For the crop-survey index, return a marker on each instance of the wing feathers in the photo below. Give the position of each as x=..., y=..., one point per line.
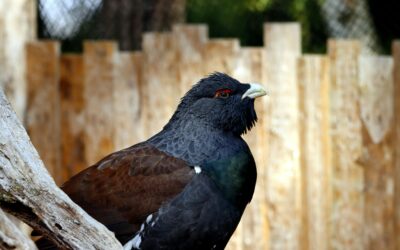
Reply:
x=125, y=187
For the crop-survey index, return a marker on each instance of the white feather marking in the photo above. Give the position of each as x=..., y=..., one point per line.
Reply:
x=148, y=219
x=135, y=242
x=154, y=221
x=197, y=169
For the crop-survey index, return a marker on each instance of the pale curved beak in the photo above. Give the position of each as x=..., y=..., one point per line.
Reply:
x=255, y=90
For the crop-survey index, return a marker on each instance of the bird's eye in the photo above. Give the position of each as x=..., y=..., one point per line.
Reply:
x=223, y=93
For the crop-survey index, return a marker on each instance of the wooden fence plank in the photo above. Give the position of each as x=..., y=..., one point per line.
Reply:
x=138, y=62
x=396, y=143
x=17, y=27
x=248, y=69
x=127, y=103
x=346, y=229
x=43, y=109
x=190, y=40
x=376, y=103
x=282, y=46
x=72, y=104
x=161, y=91
x=221, y=55
x=99, y=67
x=313, y=80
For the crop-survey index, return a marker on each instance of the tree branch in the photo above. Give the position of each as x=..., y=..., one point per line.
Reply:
x=11, y=236
x=28, y=192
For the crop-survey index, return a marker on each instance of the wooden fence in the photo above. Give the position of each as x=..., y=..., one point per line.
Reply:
x=327, y=144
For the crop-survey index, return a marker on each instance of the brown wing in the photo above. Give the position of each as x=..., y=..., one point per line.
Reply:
x=121, y=190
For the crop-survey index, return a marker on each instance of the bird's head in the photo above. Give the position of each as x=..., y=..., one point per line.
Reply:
x=222, y=102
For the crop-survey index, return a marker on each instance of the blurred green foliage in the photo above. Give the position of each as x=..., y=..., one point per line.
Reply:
x=244, y=19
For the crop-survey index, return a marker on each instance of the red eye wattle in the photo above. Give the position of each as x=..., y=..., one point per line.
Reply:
x=223, y=93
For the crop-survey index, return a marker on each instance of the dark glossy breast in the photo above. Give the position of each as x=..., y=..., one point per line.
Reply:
x=235, y=175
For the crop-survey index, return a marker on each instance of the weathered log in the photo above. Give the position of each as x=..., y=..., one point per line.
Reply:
x=11, y=237
x=28, y=192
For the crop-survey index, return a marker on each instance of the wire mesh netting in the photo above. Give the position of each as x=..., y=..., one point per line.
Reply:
x=351, y=19
x=63, y=19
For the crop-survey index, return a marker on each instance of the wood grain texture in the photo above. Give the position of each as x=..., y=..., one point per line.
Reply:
x=221, y=55
x=347, y=209
x=127, y=103
x=281, y=50
x=190, y=40
x=396, y=138
x=17, y=27
x=99, y=62
x=43, y=102
x=315, y=154
x=138, y=66
x=29, y=193
x=376, y=104
x=72, y=105
x=161, y=91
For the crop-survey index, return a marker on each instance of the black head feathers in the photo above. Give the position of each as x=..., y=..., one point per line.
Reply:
x=222, y=102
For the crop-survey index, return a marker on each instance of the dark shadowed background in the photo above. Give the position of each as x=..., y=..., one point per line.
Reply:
x=125, y=20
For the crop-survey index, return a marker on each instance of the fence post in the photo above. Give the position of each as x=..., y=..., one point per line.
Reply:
x=72, y=104
x=347, y=209
x=138, y=61
x=43, y=103
x=396, y=143
x=190, y=40
x=99, y=60
x=282, y=47
x=17, y=27
x=127, y=102
x=161, y=93
x=313, y=81
x=221, y=55
x=248, y=69
x=376, y=104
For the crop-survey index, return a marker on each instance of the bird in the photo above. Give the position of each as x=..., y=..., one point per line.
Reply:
x=187, y=186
